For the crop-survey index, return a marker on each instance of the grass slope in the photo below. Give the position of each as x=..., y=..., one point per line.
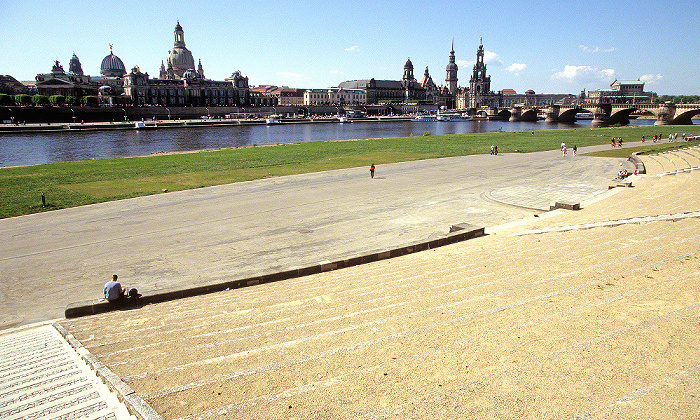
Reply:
x=70, y=184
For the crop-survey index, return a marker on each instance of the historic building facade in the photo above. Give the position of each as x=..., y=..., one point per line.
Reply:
x=190, y=90
x=622, y=92
x=335, y=96
x=180, y=84
x=408, y=89
x=76, y=83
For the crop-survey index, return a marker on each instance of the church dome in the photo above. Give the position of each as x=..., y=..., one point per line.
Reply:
x=181, y=59
x=408, y=65
x=112, y=66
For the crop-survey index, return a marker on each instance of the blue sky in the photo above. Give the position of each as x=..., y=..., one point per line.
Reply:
x=548, y=46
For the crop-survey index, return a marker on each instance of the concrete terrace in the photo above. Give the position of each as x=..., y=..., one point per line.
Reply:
x=574, y=314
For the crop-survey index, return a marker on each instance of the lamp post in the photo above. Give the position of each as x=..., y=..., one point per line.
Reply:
x=12, y=116
x=168, y=109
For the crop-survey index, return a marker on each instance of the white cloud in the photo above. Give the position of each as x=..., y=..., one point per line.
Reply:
x=335, y=72
x=651, y=79
x=607, y=74
x=516, y=68
x=595, y=49
x=584, y=74
x=492, y=58
x=293, y=78
x=464, y=64
x=353, y=48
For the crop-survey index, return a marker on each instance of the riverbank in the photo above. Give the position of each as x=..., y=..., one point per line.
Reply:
x=179, y=123
x=76, y=183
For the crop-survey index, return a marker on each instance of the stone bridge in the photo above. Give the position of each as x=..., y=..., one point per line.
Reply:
x=603, y=114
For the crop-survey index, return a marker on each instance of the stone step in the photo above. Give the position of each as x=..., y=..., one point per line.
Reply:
x=44, y=377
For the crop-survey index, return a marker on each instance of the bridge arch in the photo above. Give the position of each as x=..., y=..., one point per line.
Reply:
x=686, y=117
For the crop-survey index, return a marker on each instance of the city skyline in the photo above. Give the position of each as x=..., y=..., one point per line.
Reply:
x=549, y=47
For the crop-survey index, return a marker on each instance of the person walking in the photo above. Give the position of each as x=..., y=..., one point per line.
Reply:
x=574, y=150
x=371, y=170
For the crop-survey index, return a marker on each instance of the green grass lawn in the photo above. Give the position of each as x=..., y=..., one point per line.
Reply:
x=70, y=184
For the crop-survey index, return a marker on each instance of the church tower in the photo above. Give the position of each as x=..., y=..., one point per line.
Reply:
x=179, y=35
x=479, y=82
x=451, y=79
x=179, y=58
x=408, y=80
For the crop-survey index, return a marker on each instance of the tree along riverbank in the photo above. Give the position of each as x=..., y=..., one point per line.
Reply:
x=38, y=188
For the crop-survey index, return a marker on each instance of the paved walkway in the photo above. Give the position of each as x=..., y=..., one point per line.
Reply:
x=240, y=230
x=575, y=314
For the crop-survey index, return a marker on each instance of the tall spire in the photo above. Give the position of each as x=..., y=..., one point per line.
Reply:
x=451, y=78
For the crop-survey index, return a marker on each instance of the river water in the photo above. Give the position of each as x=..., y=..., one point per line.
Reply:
x=39, y=148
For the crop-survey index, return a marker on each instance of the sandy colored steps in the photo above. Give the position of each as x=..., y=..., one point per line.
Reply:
x=692, y=155
x=132, y=366
x=652, y=165
x=480, y=362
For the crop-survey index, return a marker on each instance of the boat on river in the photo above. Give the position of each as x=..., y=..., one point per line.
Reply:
x=142, y=126
x=424, y=118
x=273, y=119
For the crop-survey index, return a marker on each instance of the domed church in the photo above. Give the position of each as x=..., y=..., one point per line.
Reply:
x=180, y=59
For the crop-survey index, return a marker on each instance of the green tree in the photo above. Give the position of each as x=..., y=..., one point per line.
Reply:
x=6, y=99
x=72, y=100
x=57, y=99
x=89, y=100
x=23, y=99
x=40, y=99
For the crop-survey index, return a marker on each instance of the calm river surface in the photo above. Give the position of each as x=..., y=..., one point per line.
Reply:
x=38, y=148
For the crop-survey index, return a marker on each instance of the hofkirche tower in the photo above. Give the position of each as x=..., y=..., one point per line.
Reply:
x=479, y=82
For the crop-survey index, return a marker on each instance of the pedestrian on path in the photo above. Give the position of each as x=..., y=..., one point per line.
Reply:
x=371, y=170
x=492, y=148
x=574, y=149
x=563, y=149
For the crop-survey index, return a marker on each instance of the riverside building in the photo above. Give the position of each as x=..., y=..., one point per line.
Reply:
x=180, y=84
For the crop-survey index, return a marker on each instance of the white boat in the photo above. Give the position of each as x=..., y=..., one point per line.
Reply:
x=343, y=119
x=272, y=119
x=424, y=118
x=141, y=126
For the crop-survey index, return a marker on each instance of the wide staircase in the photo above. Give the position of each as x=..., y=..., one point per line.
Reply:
x=586, y=314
